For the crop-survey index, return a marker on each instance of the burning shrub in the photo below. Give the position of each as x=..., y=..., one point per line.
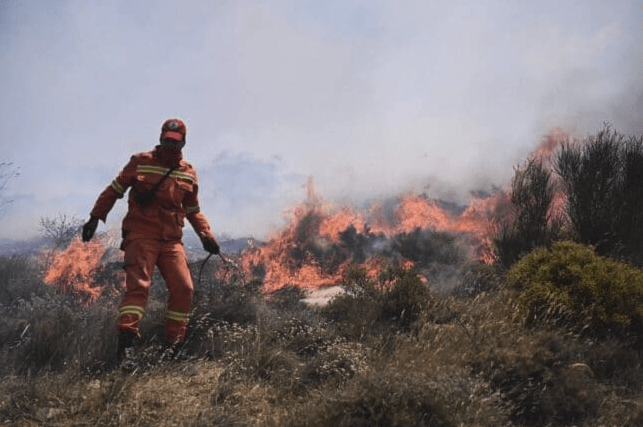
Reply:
x=320, y=242
x=73, y=270
x=581, y=287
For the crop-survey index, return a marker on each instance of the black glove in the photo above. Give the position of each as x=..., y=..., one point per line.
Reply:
x=90, y=228
x=210, y=245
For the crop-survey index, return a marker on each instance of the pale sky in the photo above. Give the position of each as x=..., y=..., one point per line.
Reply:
x=371, y=98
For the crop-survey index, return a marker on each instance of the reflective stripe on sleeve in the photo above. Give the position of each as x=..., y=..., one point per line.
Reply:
x=116, y=186
x=160, y=170
x=179, y=316
x=131, y=309
x=192, y=209
x=182, y=175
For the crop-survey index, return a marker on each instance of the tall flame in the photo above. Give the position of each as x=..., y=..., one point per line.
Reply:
x=73, y=270
x=292, y=256
x=295, y=256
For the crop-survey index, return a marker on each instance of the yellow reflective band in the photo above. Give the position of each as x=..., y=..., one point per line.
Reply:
x=159, y=170
x=116, y=186
x=179, y=316
x=182, y=175
x=131, y=309
x=152, y=169
x=192, y=209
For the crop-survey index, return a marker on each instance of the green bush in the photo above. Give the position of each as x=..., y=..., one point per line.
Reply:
x=595, y=293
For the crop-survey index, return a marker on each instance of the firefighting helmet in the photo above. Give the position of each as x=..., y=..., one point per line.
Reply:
x=173, y=129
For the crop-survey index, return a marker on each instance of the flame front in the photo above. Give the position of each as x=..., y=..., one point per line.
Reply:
x=321, y=241
x=305, y=252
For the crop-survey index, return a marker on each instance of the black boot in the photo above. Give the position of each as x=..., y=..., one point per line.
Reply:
x=125, y=343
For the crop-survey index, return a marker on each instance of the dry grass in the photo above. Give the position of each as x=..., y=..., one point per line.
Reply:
x=465, y=359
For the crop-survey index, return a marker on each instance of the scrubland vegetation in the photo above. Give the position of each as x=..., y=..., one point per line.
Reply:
x=549, y=335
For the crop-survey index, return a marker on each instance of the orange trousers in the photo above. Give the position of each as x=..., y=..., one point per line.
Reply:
x=141, y=255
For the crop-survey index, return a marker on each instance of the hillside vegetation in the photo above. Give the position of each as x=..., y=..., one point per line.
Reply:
x=549, y=335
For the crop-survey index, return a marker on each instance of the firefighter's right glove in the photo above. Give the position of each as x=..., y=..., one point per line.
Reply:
x=90, y=228
x=210, y=245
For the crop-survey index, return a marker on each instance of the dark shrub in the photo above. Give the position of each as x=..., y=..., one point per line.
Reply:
x=394, y=301
x=402, y=303
x=20, y=280
x=354, y=312
x=386, y=398
x=530, y=226
x=425, y=247
x=287, y=298
x=478, y=277
x=604, y=184
x=543, y=388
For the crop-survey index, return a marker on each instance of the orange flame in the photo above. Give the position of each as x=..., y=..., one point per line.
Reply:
x=545, y=152
x=290, y=257
x=304, y=254
x=73, y=270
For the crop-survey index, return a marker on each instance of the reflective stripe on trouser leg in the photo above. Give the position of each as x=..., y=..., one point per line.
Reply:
x=173, y=265
x=176, y=324
x=140, y=258
x=129, y=318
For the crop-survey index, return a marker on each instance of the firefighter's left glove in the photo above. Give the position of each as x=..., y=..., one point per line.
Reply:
x=90, y=228
x=210, y=245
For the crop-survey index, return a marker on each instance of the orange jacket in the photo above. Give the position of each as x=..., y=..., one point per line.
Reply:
x=163, y=218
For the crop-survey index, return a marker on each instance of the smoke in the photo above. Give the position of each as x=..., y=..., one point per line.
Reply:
x=373, y=99
x=321, y=240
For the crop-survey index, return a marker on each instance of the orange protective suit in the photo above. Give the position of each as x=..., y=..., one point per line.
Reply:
x=152, y=236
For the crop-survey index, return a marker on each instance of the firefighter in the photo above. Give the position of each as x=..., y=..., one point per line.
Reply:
x=163, y=192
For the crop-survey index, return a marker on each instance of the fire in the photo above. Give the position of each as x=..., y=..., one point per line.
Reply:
x=545, y=152
x=332, y=225
x=74, y=269
x=321, y=241
x=308, y=253
x=549, y=145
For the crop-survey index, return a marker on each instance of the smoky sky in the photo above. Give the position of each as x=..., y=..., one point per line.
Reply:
x=370, y=98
